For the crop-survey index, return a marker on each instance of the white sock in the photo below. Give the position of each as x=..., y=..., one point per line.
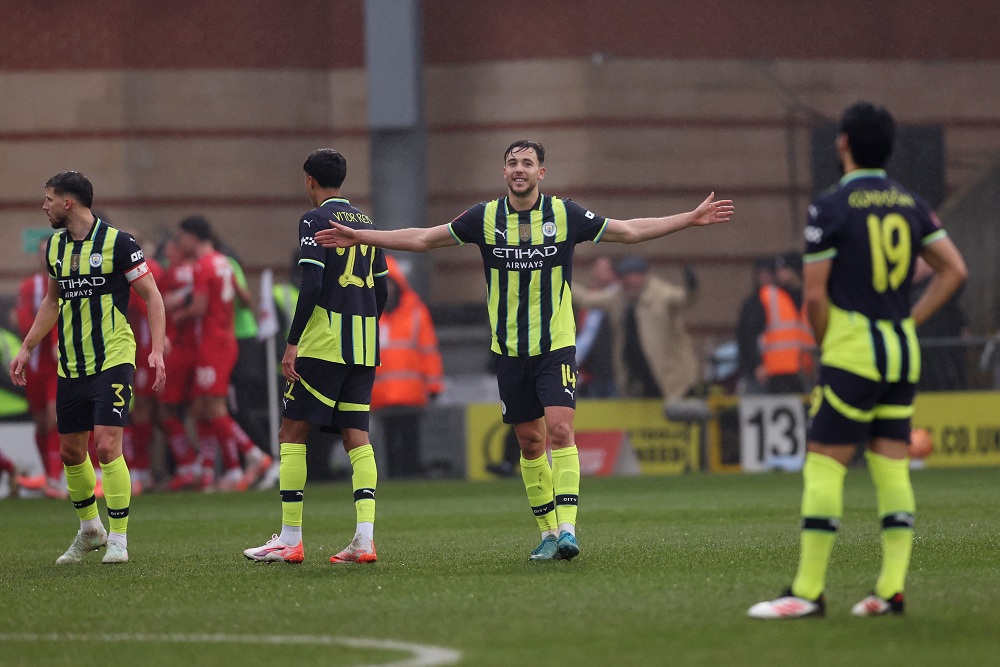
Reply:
x=291, y=535
x=120, y=538
x=365, y=531
x=568, y=527
x=546, y=533
x=91, y=525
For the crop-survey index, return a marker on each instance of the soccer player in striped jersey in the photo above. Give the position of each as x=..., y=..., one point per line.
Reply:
x=91, y=268
x=862, y=244
x=527, y=241
x=329, y=363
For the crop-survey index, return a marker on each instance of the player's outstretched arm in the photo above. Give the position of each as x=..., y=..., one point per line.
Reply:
x=636, y=230
x=413, y=239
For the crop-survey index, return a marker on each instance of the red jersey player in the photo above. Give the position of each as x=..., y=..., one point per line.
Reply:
x=41, y=375
x=212, y=303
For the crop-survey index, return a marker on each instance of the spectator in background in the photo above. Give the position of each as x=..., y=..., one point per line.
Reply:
x=594, y=354
x=787, y=345
x=942, y=367
x=653, y=353
x=41, y=374
x=410, y=374
x=749, y=327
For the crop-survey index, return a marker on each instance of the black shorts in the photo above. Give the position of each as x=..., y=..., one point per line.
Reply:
x=528, y=385
x=100, y=399
x=848, y=409
x=330, y=395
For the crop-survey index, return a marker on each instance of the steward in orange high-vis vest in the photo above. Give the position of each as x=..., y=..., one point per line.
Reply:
x=787, y=341
x=411, y=370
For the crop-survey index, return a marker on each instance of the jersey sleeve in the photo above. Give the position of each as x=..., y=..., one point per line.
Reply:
x=820, y=233
x=129, y=256
x=586, y=225
x=468, y=227
x=380, y=268
x=311, y=252
x=930, y=227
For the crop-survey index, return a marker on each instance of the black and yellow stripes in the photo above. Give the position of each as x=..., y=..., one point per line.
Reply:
x=529, y=299
x=94, y=293
x=877, y=350
x=340, y=338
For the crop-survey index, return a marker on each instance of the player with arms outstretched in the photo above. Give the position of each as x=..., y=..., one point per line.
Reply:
x=329, y=362
x=527, y=241
x=862, y=244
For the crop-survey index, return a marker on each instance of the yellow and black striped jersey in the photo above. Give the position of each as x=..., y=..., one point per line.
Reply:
x=94, y=277
x=872, y=229
x=336, y=316
x=528, y=260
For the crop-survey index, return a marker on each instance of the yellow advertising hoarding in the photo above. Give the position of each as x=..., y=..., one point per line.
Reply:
x=965, y=427
x=607, y=430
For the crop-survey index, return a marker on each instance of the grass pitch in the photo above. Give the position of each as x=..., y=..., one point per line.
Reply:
x=669, y=566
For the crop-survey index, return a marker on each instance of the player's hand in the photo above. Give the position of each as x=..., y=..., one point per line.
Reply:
x=155, y=361
x=17, y=366
x=713, y=212
x=288, y=363
x=338, y=236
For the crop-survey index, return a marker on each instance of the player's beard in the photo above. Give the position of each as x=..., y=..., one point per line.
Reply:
x=58, y=223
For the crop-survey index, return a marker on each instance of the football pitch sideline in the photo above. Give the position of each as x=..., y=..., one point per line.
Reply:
x=668, y=568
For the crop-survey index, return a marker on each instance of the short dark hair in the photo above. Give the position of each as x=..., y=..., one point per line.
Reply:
x=870, y=131
x=523, y=145
x=631, y=264
x=198, y=226
x=327, y=166
x=72, y=183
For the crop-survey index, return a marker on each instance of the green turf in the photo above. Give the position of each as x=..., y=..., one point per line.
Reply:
x=669, y=567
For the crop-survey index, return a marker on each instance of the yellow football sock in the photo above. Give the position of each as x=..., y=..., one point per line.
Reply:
x=80, y=482
x=364, y=479
x=537, y=477
x=896, y=507
x=292, y=482
x=822, y=507
x=566, y=483
x=117, y=494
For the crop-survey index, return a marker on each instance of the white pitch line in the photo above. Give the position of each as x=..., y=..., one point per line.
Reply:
x=422, y=654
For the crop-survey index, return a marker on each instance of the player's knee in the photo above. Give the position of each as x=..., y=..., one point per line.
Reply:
x=561, y=434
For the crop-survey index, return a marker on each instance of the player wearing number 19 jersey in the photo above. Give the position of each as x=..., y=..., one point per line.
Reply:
x=862, y=243
x=329, y=362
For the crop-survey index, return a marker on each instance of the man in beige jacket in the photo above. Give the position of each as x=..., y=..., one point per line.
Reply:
x=653, y=352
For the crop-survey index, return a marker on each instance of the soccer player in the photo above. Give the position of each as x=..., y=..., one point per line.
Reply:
x=862, y=244
x=91, y=266
x=177, y=288
x=527, y=241
x=40, y=375
x=212, y=305
x=329, y=362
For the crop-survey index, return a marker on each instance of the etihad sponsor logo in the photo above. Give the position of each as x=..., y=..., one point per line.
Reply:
x=525, y=253
x=82, y=282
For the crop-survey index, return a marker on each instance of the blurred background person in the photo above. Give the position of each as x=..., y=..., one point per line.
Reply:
x=180, y=357
x=654, y=355
x=942, y=365
x=137, y=438
x=212, y=306
x=782, y=359
x=409, y=376
x=750, y=325
x=41, y=374
x=594, y=354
